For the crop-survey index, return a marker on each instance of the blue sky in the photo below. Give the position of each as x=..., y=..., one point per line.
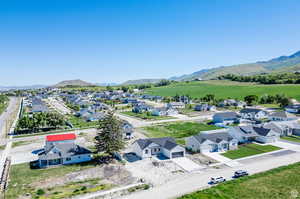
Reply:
x=43, y=42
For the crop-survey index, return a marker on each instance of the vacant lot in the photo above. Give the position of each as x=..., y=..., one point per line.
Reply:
x=292, y=138
x=283, y=182
x=145, y=116
x=64, y=181
x=225, y=89
x=178, y=130
x=78, y=122
x=249, y=150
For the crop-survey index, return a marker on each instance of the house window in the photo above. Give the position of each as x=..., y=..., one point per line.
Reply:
x=68, y=159
x=146, y=151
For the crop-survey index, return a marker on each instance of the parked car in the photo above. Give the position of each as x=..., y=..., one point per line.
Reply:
x=240, y=173
x=217, y=180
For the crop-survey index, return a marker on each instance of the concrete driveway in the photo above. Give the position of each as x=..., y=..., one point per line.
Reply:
x=222, y=159
x=187, y=164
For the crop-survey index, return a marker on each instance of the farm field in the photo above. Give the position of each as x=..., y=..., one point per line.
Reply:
x=282, y=182
x=177, y=130
x=144, y=116
x=249, y=150
x=225, y=89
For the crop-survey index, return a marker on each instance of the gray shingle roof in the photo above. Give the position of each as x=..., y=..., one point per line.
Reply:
x=214, y=137
x=226, y=115
x=250, y=110
x=65, y=150
x=165, y=142
x=282, y=114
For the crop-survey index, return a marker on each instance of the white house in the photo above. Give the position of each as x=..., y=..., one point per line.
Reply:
x=253, y=114
x=176, y=105
x=62, y=150
x=146, y=148
x=245, y=134
x=226, y=117
x=211, y=141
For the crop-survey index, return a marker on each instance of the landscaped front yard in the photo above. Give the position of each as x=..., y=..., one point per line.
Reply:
x=280, y=183
x=249, y=150
x=145, y=116
x=292, y=138
x=177, y=130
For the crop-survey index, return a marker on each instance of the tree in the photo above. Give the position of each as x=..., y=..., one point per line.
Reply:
x=250, y=99
x=124, y=88
x=109, y=138
x=283, y=102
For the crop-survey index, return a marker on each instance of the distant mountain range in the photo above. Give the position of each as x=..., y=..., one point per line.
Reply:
x=280, y=64
x=141, y=81
x=76, y=82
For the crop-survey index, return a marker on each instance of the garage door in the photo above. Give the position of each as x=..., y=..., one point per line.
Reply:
x=177, y=154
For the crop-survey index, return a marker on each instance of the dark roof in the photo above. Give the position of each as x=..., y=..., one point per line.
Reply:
x=65, y=150
x=165, y=142
x=214, y=137
x=261, y=131
x=250, y=110
x=226, y=114
x=246, y=130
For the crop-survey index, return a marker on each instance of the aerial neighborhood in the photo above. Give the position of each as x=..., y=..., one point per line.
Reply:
x=152, y=138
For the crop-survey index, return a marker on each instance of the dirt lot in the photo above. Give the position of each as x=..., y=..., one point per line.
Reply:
x=157, y=175
x=201, y=159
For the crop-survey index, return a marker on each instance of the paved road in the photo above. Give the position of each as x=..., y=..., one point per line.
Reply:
x=196, y=181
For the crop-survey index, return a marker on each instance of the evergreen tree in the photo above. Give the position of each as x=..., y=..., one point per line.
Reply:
x=109, y=138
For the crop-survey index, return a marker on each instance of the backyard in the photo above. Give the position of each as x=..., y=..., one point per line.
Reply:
x=146, y=116
x=283, y=182
x=177, y=130
x=249, y=150
x=78, y=122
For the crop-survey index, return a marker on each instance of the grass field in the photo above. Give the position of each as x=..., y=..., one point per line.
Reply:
x=20, y=143
x=280, y=183
x=177, y=130
x=78, y=122
x=22, y=177
x=249, y=150
x=3, y=106
x=292, y=138
x=225, y=89
x=144, y=116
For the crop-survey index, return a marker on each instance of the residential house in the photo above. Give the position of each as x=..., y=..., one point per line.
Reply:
x=250, y=133
x=293, y=108
x=204, y=107
x=164, y=111
x=166, y=146
x=253, y=114
x=176, y=105
x=282, y=116
x=141, y=107
x=212, y=141
x=61, y=150
x=226, y=117
x=127, y=130
x=284, y=128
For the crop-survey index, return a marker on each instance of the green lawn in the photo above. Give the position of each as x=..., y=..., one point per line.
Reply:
x=178, y=130
x=225, y=89
x=144, y=116
x=292, y=138
x=249, y=150
x=3, y=106
x=22, y=177
x=279, y=183
x=78, y=122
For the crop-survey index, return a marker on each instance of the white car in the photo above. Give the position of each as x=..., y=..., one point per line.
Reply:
x=217, y=180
